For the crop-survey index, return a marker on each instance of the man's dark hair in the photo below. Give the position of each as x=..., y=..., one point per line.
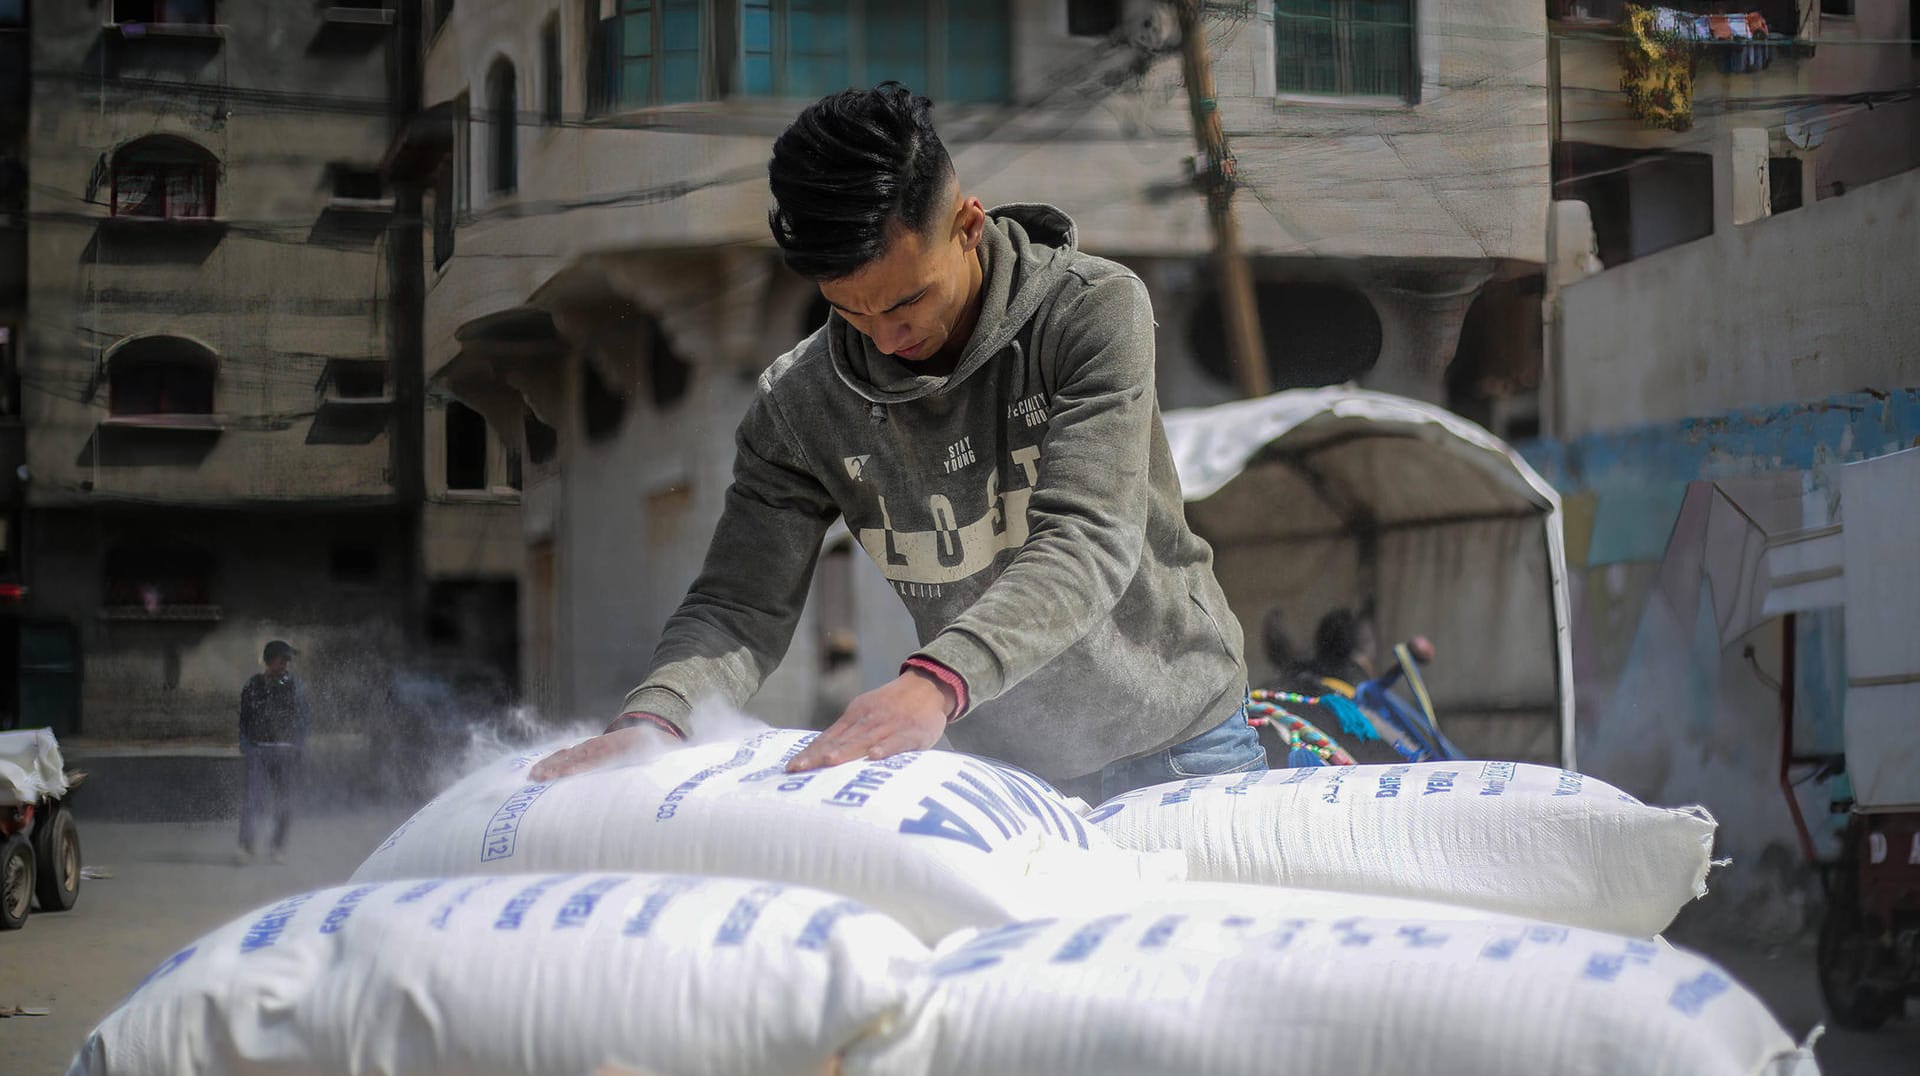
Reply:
x=852, y=164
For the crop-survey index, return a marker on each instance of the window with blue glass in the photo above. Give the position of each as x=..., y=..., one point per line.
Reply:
x=650, y=52
x=951, y=50
x=1348, y=48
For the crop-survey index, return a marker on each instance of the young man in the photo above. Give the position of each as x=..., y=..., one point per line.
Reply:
x=274, y=720
x=980, y=408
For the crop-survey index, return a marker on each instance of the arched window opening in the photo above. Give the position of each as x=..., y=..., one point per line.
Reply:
x=164, y=178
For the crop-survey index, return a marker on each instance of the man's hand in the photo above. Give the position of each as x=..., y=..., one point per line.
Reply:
x=909, y=714
x=601, y=750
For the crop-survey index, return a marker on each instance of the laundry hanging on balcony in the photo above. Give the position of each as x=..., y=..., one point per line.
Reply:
x=1656, y=68
x=1657, y=64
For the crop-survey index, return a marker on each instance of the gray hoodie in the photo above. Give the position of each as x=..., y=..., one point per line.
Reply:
x=1024, y=507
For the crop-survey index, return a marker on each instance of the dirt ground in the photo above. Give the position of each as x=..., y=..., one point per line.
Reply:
x=174, y=881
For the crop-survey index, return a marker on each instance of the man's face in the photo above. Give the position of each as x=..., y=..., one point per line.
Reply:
x=278, y=666
x=914, y=301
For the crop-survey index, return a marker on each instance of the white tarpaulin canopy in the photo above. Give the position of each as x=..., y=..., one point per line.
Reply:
x=1321, y=498
x=1880, y=499
x=30, y=767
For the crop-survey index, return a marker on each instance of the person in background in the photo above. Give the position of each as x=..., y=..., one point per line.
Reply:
x=275, y=718
x=1342, y=657
x=1343, y=649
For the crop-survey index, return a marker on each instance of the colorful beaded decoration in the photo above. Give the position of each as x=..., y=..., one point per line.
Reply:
x=1296, y=731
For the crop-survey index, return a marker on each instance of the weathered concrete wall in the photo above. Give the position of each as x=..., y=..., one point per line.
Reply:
x=1666, y=709
x=269, y=293
x=1411, y=205
x=1461, y=174
x=273, y=287
x=1800, y=306
x=1868, y=50
x=158, y=678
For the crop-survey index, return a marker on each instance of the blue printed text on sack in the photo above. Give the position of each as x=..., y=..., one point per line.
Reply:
x=503, y=829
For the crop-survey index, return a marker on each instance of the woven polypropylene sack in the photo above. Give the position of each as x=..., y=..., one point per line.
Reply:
x=1509, y=837
x=937, y=840
x=1172, y=988
x=534, y=975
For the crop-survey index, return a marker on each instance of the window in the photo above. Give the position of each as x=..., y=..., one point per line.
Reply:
x=466, y=439
x=1347, y=48
x=1783, y=184
x=551, y=106
x=1836, y=7
x=359, y=379
x=668, y=375
x=9, y=372
x=442, y=217
x=601, y=407
x=649, y=52
x=355, y=183
x=13, y=188
x=160, y=375
x=1643, y=201
x=503, y=128
x=1783, y=16
x=794, y=49
x=155, y=575
x=959, y=50
x=163, y=178
x=542, y=440
x=13, y=12
x=353, y=562
x=179, y=12
x=1092, y=18
x=158, y=576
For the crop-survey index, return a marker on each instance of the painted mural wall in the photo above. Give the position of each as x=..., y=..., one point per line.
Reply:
x=1670, y=708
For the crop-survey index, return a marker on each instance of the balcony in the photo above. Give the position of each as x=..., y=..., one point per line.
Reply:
x=200, y=614
x=352, y=402
x=360, y=16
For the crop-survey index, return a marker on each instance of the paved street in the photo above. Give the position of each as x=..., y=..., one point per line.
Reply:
x=171, y=883
x=174, y=881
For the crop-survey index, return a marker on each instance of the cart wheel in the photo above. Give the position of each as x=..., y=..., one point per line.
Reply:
x=16, y=882
x=1846, y=961
x=56, y=849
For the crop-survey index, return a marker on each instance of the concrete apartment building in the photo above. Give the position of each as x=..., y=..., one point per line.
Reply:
x=602, y=291
x=215, y=374
x=1731, y=318
x=16, y=92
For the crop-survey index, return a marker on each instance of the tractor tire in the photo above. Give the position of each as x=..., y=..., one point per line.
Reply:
x=1846, y=961
x=16, y=882
x=56, y=847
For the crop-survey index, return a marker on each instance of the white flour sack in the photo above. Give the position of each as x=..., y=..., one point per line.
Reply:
x=545, y=975
x=1508, y=837
x=937, y=840
x=1162, y=990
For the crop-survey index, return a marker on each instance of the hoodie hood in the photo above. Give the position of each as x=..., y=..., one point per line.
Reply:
x=1023, y=252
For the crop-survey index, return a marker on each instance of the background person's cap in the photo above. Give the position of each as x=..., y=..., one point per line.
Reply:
x=277, y=648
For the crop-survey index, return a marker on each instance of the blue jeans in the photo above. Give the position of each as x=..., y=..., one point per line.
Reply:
x=1233, y=746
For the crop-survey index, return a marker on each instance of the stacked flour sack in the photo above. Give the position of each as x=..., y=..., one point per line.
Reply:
x=701, y=911
x=707, y=912
x=1433, y=918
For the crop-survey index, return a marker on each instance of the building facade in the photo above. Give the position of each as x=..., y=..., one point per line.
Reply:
x=16, y=96
x=1731, y=317
x=206, y=363
x=602, y=291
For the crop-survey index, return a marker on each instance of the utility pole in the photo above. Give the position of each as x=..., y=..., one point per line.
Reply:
x=1244, y=342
